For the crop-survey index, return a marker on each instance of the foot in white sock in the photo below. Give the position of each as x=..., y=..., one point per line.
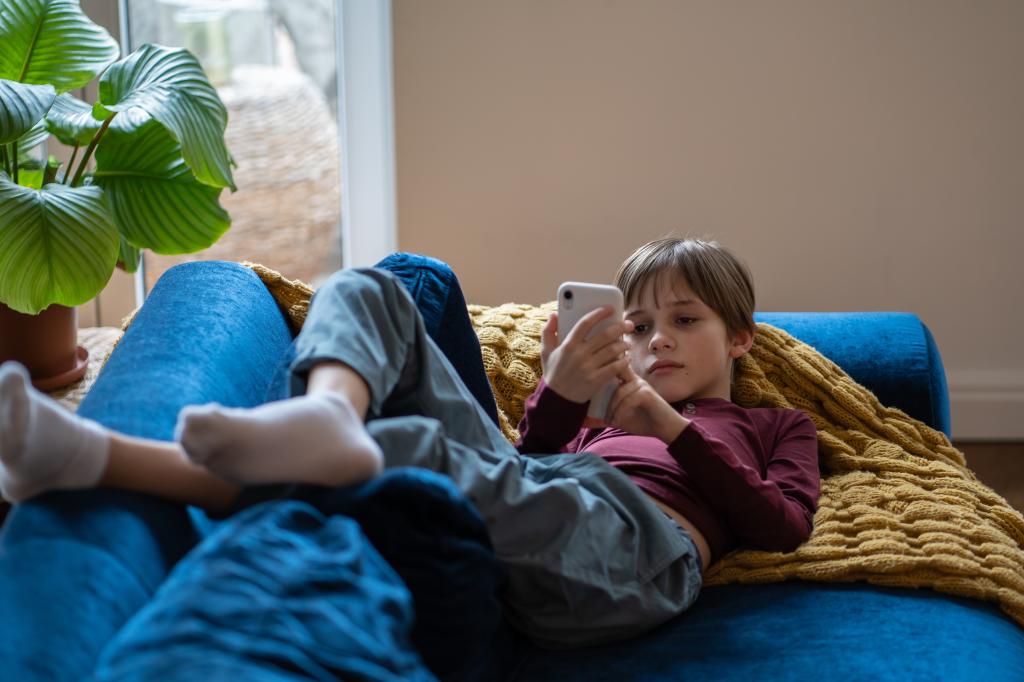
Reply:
x=42, y=445
x=316, y=439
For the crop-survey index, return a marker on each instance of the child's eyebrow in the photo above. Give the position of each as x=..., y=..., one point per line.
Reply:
x=681, y=303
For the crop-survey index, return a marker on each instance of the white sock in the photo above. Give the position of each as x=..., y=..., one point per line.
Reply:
x=42, y=445
x=316, y=439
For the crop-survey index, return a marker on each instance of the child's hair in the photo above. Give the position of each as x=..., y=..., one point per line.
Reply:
x=717, y=276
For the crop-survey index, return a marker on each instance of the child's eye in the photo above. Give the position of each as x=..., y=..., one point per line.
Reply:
x=639, y=329
x=686, y=320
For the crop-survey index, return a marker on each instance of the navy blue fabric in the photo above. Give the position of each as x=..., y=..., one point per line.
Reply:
x=938, y=389
x=438, y=544
x=438, y=295
x=278, y=592
x=74, y=566
x=892, y=354
x=800, y=631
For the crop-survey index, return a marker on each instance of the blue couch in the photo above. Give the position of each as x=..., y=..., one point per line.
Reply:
x=395, y=578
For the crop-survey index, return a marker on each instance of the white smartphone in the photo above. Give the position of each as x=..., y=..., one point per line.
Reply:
x=576, y=299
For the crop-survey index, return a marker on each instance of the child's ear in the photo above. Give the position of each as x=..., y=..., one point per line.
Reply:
x=741, y=343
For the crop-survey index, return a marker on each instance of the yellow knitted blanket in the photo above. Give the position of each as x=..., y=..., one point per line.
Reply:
x=898, y=504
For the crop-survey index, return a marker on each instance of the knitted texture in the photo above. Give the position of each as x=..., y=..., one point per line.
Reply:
x=292, y=295
x=898, y=505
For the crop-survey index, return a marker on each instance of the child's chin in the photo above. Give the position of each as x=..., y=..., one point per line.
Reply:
x=674, y=395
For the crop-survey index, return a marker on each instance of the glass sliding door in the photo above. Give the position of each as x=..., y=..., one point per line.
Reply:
x=274, y=64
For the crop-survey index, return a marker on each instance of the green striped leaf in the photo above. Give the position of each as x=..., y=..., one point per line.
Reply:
x=34, y=137
x=129, y=257
x=70, y=119
x=22, y=107
x=156, y=201
x=52, y=41
x=170, y=85
x=57, y=245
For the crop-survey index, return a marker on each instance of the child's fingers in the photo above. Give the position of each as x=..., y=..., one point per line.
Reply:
x=627, y=387
x=621, y=401
x=614, y=370
x=549, y=334
x=582, y=328
x=626, y=373
x=610, y=353
x=612, y=334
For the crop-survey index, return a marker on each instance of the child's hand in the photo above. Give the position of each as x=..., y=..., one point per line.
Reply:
x=637, y=408
x=577, y=367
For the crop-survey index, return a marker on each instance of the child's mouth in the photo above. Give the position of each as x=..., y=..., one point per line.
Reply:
x=664, y=369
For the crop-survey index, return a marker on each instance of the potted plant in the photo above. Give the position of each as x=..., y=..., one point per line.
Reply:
x=147, y=167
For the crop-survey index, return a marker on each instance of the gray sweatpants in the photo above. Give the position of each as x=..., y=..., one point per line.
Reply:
x=589, y=558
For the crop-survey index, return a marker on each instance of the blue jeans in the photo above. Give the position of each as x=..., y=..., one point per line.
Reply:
x=589, y=558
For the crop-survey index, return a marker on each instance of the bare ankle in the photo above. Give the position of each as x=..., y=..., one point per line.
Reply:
x=337, y=377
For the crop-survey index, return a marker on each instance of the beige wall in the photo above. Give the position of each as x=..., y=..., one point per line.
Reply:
x=859, y=156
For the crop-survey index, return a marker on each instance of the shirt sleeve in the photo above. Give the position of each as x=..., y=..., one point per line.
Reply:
x=550, y=423
x=774, y=513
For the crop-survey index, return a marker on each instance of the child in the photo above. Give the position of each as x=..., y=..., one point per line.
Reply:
x=597, y=547
x=729, y=476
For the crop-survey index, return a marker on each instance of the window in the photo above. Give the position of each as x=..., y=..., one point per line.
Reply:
x=274, y=64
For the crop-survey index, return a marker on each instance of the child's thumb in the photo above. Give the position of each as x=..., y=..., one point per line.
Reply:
x=549, y=334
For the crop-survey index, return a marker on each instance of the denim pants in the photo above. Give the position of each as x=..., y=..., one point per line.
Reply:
x=589, y=558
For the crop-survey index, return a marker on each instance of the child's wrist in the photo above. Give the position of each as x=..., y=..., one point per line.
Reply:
x=674, y=429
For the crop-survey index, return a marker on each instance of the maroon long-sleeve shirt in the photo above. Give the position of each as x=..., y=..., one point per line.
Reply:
x=742, y=476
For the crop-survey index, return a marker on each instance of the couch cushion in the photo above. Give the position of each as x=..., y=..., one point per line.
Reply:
x=799, y=631
x=892, y=354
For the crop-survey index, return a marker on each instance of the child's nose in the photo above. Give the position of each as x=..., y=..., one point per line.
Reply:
x=660, y=340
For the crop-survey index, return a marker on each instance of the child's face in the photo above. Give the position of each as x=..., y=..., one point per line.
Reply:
x=686, y=336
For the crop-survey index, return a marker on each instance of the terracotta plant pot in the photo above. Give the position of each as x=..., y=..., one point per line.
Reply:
x=47, y=344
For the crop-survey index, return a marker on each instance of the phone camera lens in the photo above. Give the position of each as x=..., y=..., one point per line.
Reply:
x=567, y=295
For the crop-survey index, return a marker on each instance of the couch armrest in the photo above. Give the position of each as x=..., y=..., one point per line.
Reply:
x=893, y=354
